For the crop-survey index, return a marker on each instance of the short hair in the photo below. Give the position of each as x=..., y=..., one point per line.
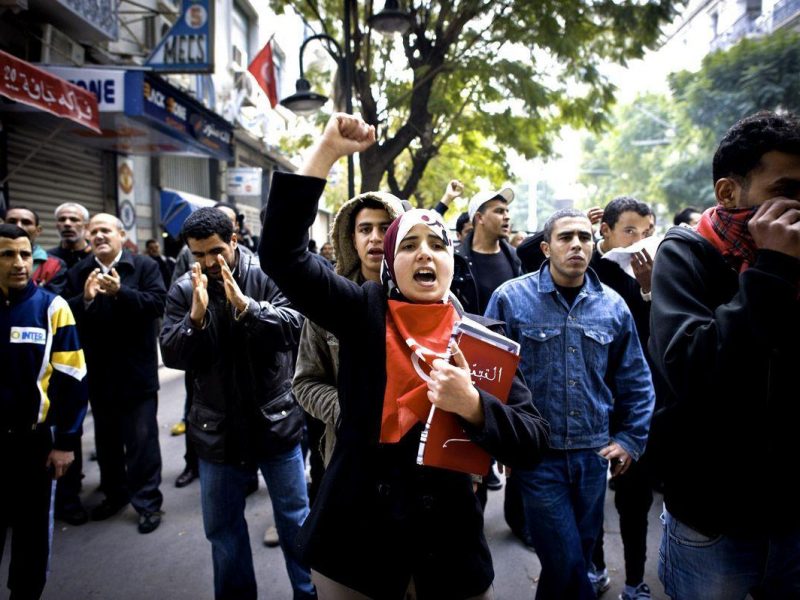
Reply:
x=685, y=216
x=461, y=222
x=622, y=204
x=363, y=203
x=30, y=210
x=79, y=207
x=150, y=241
x=556, y=216
x=205, y=222
x=744, y=144
x=13, y=232
x=485, y=206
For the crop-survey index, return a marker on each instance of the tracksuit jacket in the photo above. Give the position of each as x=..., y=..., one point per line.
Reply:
x=44, y=370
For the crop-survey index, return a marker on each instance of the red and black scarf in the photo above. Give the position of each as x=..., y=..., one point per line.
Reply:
x=726, y=230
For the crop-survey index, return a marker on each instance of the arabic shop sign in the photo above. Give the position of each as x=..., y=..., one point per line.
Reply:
x=31, y=86
x=165, y=107
x=189, y=44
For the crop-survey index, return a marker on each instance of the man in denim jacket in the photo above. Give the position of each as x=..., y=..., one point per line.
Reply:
x=583, y=362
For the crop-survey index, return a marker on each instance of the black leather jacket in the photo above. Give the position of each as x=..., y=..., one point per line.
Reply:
x=241, y=366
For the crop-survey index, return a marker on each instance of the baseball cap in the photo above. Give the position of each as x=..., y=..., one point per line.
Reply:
x=482, y=198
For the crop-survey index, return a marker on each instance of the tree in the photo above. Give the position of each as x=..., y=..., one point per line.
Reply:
x=755, y=74
x=513, y=72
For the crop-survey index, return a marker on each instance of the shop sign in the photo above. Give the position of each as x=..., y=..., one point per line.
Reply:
x=107, y=85
x=24, y=83
x=188, y=46
x=244, y=181
x=165, y=106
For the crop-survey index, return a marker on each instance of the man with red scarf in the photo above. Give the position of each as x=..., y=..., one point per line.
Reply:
x=725, y=326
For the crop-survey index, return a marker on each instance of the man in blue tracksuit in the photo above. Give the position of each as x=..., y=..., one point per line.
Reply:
x=42, y=404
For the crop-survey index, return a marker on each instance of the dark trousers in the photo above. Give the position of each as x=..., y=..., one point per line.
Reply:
x=315, y=429
x=128, y=452
x=633, y=498
x=25, y=501
x=190, y=457
x=68, y=488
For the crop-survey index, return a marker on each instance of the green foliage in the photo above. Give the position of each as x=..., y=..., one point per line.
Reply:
x=755, y=74
x=513, y=73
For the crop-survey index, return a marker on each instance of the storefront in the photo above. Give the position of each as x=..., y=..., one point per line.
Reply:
x=153, y=136
x=41, y=166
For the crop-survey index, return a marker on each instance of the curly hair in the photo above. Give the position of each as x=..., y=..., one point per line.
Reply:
x=744, y=144
x=205, y=222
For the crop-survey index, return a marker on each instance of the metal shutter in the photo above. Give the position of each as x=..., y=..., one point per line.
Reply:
x=61, y=171
x=186, y=174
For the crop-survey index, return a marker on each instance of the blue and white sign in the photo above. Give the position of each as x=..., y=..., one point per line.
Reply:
x=244, y=181
x=107, y=84
x=188, y=47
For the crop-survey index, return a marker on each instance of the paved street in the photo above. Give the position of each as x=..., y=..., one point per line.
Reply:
x=111, y=560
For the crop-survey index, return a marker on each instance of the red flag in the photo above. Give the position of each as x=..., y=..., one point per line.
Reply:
x=263, y=69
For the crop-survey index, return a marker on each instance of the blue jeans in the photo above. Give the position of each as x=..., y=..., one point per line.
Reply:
x=222, y=490
x=693, y=565
x=563, y=499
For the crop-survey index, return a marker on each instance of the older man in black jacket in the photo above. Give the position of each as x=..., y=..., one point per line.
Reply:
x=117, y=298
x=232, y=329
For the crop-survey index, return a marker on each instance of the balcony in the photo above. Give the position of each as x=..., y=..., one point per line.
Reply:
x=744, y=26
x=86, y=21
x=784, y=13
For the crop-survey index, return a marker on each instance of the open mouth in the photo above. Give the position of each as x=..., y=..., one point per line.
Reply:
x=425, y=276
x=375, y=253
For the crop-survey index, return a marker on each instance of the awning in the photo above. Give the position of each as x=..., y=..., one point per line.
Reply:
x=143, y=115
x=176, y=207
x=22, y=82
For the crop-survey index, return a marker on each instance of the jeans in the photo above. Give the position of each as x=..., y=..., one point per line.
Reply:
x=222, y=491
x=692, y=565
x=563, y=499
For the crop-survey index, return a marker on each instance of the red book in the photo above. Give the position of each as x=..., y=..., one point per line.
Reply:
x=493, y=361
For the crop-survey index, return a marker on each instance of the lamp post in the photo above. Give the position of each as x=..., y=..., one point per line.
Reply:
x=305, y=102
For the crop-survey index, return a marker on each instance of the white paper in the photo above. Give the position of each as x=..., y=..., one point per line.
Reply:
x=622, y=256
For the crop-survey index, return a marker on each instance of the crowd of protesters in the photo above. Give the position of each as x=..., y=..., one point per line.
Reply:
x=666, y=370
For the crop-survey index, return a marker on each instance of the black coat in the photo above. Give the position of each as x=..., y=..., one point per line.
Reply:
x=464, y=286
x=727, y=346
x=118, y=333
x=243, y=408
x=379, y=518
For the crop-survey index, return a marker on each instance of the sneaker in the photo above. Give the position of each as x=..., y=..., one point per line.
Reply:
x=271, y=539
x=640, y=592
x=179, y=428
x=492, y=481
x=149, y=521
x=600, y=581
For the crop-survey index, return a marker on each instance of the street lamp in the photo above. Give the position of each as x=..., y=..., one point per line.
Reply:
x=391, y=19
x=305, y=102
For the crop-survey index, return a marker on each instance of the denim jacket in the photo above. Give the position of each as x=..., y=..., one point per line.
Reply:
x=584, y=365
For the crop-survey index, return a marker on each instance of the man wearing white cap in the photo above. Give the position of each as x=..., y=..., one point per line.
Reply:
x=485, y=259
